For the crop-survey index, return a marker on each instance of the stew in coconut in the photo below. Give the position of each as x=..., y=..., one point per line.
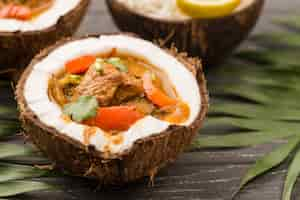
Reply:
x=114, y=91
x=23, y=9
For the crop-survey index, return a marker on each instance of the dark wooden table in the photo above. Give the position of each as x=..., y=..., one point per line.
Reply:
x=198, y=175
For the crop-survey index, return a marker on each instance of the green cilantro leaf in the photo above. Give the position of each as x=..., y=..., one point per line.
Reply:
x=117, y=62
x=84, y=108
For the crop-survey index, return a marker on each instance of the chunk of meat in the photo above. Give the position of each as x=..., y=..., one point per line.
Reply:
x=110, y=86
x=142, y=105
x=131, y=87
x=101, y=85
x=134, y=82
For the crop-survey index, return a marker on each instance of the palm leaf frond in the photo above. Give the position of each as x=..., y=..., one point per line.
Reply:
x=12, y=188
x=291, y=178
x=260, y=102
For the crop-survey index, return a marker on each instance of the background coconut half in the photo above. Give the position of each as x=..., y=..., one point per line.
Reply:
x=146, y=155
x=211, y=39
x=18, y=47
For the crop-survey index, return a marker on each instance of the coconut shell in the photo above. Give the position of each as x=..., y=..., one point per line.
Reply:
x=145, y=158
x=18, y=48
x=210, y=39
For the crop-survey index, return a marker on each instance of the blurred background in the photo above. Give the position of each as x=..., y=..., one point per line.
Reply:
x=94, y=24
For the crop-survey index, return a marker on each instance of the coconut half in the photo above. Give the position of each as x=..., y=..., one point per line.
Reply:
x=211, y=39
x=146, y=147
x=21, y=40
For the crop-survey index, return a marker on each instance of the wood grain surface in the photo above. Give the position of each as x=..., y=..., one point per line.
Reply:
x=198, y=175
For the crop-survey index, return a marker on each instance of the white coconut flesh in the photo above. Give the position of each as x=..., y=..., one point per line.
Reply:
x=45, y=20
x=50, y=114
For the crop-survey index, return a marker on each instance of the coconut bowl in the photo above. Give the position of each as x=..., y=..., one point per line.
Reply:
x=211, y=39
x=18, y=47
x=62, y=141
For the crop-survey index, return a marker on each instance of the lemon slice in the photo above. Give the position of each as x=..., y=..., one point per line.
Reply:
x=207, y=8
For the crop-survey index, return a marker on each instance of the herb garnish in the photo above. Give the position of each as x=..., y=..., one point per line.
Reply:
x=117, y=62
x=84, y=108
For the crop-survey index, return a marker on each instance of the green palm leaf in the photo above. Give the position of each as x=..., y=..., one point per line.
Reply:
x=12, y=188
x=8, y=110
x=270, y=160
x=15, y=178
x=256, y=111
x=8, y=128
x=293, y=173
x=10, y=172
x=260, y=104
x=8, y=150
x=285, y=39
x=235, y=140
x=273, y=96
x=271, y=57
x=293, y=21
x=281, y=127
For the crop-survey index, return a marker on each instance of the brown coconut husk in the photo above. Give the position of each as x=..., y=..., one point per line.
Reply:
x=210, y=39
x=145, y=158
x=18, y=48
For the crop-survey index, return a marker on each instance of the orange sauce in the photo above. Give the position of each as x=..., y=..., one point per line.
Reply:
x=43, y=8
x=118, y=139
x=137, y=67
x=179, y=115
x=134, y=67
x=106, y=150
x=88, y=133
x=66, y=118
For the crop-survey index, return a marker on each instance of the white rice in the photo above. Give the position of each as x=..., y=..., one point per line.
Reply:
x=156, y=8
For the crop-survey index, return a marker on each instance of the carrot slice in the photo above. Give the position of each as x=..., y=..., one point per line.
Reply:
x=16, y=11
x=80, y=65
x=154, y=94
x=5, y=11
x=23, y=13
x=118, y=118
x=13, y=11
